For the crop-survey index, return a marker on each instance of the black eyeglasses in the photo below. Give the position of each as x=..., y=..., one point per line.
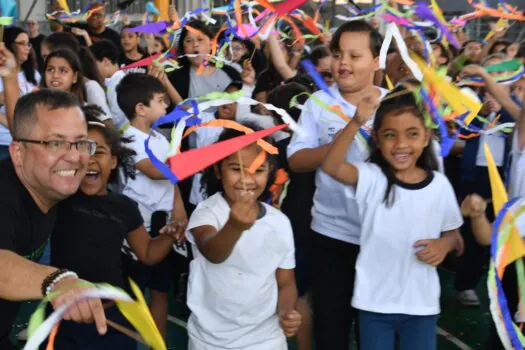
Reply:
x=62, y=146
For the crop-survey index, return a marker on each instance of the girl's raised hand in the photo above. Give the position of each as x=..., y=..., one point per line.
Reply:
x=244, y=211
x=290, y=322
x=473, y=206
x=7, y=61
x=366, y=109
x=472, y=70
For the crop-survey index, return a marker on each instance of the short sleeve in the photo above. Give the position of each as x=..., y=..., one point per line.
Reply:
x=96, y=95
x=371, y=185
x=132, y=216
x=137, y=145
x=7, y=235
x=288, y=261
x=202, y=216
x=452, y=218
x=310, y=137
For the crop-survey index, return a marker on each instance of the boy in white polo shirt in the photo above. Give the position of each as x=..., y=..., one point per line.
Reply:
x=355, y=47
x=143, y=100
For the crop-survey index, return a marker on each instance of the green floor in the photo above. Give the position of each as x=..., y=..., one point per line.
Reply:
x=467, y=328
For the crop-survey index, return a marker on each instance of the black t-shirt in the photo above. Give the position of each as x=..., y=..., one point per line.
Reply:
x=297, y=205
x=89, y=233
x=25, y=231
x=36, y=42
x=124, y=61
x=107, y=34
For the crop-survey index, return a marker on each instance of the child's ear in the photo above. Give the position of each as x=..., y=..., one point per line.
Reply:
x=114, y=162
x=140, y=109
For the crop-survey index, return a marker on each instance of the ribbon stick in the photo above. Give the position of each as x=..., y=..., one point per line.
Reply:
x=191, y=162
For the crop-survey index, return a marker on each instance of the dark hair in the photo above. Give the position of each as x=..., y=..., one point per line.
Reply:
x=68, y=40
x=444, y=51
x=521, y=50
x=469, y=42
x=318, y=53
x=503, y=42
x=359, y=26
x=105, y=49
x=280, y=97
x=237, y=85
x=25, y=116
x=196, y=24
x=78, y=89
x=28, y=67
x=116, y=142
x=398, y=101
x=137, y=88
x=162, y=42
x=211, y=184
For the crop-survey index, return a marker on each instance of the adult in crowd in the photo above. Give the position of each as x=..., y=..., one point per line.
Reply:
x=96, y=26
x=17, y=42
x=49, y=156
x=36, y=38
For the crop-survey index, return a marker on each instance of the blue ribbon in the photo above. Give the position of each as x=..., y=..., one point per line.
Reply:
x=502, y=300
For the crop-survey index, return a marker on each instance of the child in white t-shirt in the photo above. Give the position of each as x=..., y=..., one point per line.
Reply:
x=409, y=223
x=143, y=100
x=517, y=167
x=241, y=288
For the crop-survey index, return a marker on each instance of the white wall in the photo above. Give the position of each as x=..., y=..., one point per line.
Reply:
x=38, y=13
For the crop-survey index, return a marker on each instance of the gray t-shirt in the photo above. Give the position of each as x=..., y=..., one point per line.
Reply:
x=201, y=85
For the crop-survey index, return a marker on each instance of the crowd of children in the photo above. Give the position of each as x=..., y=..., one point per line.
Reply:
x=348, y=242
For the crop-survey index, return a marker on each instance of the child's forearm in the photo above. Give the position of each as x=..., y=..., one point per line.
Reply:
x=308, y=159
x=158, y=248
x=502, y=95
x=335, y=164
x=287, y=298
x=219, y=247
x=482, y=229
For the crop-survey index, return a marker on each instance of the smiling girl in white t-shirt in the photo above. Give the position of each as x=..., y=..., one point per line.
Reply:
x=409, y=223
x=241, y=288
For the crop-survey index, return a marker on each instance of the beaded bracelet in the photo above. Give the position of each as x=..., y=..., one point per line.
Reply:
x=52, y=280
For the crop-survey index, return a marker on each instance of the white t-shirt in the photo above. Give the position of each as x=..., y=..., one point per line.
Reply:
x=496, y=143
x=119, y=118
x=329, y=214
x=233, y=304
x=151, y=195
x=95, y=95
x=25, y=88
x=204, y=136
x=389, y=277
x=517, y=169
x=436, y=147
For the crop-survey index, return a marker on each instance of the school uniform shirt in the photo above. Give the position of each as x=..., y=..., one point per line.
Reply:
x=95, y=95
x=92, y=248
x=329, y=214
x=151, y=195
x=389, y=277
x=517, y=169
x=25, y=88
x=25, y=231
x=234, y=304
x=204, y=136
x=436, y=147
x=119, y=118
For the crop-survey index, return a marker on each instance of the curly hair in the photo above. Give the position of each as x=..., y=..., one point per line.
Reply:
x=116, y=142
x=211, y=184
